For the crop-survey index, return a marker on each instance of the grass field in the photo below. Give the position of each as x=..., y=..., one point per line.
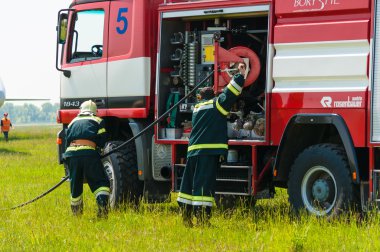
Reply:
x=29, y=167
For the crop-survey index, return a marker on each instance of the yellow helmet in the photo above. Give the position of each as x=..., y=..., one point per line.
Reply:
x=88, y=107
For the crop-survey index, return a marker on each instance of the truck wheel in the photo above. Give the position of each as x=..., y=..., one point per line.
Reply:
x=320, y=182
x=121, y=169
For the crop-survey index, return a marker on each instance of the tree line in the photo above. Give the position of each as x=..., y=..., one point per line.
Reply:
x=30, y=113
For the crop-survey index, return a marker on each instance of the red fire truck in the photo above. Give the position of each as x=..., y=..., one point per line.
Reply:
x=308, y=118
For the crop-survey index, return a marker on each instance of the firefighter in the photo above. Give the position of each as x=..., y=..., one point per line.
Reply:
x=207, y=143
x=6, y=125
x=85, y=136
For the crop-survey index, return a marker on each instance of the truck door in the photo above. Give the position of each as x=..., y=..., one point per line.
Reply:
x=85, y=56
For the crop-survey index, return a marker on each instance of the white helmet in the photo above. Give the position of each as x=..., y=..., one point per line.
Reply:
x=88, y=107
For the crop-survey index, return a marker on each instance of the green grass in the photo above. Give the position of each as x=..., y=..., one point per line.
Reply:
x=29, y=167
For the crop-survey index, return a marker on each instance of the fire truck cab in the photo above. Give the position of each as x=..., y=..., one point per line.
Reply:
x=307, y=119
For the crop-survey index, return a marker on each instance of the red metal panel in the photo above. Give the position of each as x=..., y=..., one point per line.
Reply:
x=139, y=37
x=326, y=31
x=369, y=117
x=272, y=22
x=171, y=141
x=319, y=100
x=128, y=112
x=127, y=28
x=319, y=7
x=356, y=124
x=372, y=18
x=346, y=104
x=68, y=115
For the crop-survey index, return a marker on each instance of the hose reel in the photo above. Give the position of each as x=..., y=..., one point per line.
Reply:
x=254, y=65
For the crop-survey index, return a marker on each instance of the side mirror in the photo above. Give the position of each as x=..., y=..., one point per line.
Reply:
x=62, y=28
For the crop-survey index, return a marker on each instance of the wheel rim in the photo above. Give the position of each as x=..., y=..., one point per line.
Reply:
x=108, y=168
x=319, y=190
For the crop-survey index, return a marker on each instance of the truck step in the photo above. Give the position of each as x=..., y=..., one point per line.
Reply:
x=224, y=166
x=230, y=179
x=236, y=167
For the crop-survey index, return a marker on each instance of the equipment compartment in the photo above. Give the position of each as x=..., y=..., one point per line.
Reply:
x=187, y=55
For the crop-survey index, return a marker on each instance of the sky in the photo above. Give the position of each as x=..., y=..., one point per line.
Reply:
x=27, y=48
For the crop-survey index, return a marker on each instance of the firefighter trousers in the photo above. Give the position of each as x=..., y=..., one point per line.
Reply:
x=198, y=184
x=91, y=168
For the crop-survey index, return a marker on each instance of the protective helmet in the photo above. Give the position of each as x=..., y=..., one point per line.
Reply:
x=5, y=114
x=88, y=107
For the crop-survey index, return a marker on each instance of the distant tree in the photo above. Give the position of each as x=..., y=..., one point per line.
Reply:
x=46, y=110
x=47, y=107
x=30, y=113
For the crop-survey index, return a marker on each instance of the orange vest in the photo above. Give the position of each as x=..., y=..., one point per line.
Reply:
x=5, y=124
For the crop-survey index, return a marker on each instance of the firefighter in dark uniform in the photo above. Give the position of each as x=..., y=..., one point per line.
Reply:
x=208, y=141
x=85, y=135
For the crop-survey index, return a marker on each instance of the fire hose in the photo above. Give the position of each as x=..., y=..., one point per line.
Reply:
x=118, y=147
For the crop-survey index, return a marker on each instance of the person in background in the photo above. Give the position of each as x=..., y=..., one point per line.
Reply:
x=6, y=125
x=85, y=135
x=207, y=143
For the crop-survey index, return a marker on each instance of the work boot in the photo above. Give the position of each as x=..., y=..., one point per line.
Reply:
x=203, y=215
x=102, y=202
x=187, y=215
x=77, y=209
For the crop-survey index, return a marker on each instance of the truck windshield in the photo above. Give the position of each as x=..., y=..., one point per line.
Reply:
x=87, y=39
